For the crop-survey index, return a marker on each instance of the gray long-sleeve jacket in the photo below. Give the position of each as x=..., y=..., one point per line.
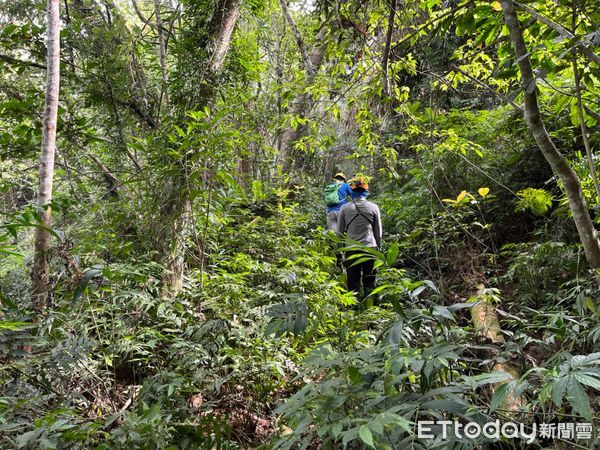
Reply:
x=362, y=225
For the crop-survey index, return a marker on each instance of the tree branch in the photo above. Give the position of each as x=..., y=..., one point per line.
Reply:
x=19, y=62
x=386, y=51
x=488, y=87
x=299, y=41
x=533, y=118
x=592, y=113
x=139, y=13
x=111, y=180
x=561, y=30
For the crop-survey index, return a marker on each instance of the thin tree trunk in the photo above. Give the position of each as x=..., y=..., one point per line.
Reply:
x=40, y=279
x=299, y=41
x=584, y=132
x=559, y=164
x=176, y=226
x=583, y=126
x=386, y=52
x=162, y=56
x=69, y=46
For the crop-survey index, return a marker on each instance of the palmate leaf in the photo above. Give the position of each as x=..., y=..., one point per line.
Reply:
x=584, y=360
x=336, y=429
x=28, y=438
x=487, y=378
x=589, y=378
x=289, y=317
x=578, y=398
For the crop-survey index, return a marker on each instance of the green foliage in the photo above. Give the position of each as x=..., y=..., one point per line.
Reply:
x=538, y=201
x=263, y=346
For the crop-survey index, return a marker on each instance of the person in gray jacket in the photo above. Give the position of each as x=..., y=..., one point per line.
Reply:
x=360, y=220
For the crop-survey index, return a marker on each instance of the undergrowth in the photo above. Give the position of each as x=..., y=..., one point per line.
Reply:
x=265, y=348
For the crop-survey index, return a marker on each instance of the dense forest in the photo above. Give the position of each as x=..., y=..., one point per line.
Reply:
x=168, y=275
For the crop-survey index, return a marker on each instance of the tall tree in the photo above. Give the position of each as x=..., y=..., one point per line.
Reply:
x=533, y=117
x=40, y=281
x=176, y=209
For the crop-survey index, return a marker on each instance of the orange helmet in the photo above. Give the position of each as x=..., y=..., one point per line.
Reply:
x=359, y=183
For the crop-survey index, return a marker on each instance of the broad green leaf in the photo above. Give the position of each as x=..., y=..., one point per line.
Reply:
x=584, y=360
x=442, y=311
x=366, y=436
x=392, y=254
x=376, y=425
x=336, y=429
x=354, y=375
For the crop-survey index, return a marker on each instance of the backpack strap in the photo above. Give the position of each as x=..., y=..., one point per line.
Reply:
x=358, y=213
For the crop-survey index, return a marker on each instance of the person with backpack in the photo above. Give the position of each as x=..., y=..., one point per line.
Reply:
x=360, y=220
x=336, y=195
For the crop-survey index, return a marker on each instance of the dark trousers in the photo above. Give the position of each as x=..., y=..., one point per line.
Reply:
x=359, y=273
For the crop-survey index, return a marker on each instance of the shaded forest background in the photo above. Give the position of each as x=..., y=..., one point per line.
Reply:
x=191, y=298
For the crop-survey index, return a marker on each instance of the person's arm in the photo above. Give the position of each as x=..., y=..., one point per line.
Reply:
x=347, y=191
x=341, y=222
x=377, y=228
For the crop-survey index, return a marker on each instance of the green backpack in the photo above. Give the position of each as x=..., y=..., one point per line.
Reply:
x=331, y=194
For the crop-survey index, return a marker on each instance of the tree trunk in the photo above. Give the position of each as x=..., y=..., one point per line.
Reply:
x=559, y=164
x=563, y=31
x=485, y=322
x=176, y=223
x=162, y=56
x=386, y=52
x=299, y=41
x=301, y=104
x=229, y=15
x=176, y=215
x=39, y=275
